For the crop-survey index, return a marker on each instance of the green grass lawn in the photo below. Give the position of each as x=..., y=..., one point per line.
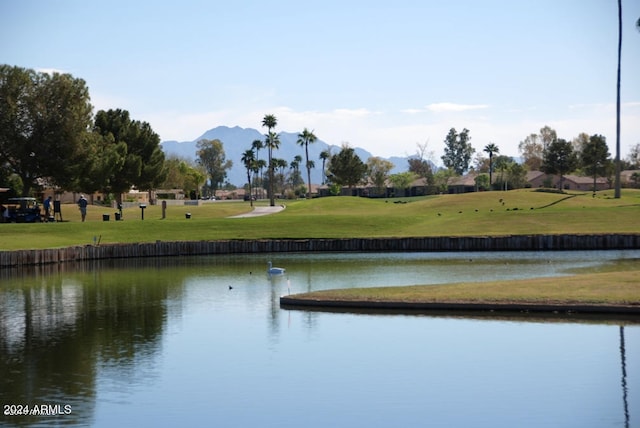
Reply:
x=619, y=288
x=480, y=214
x=487, y=213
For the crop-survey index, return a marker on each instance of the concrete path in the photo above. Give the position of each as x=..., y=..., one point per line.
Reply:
x=258, y=211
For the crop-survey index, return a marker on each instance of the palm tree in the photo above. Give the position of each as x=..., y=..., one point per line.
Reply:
x=257, y=145
x=273, y=143
x=249, y=160
x=295, y=167
x=295, y=164
x=324, y=155
x=270, y=122
x=304, y=139
x=281, y=165
x=260, y=165
x=491, y=149
x=310, y=165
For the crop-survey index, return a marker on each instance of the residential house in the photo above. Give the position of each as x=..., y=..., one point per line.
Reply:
x=538, y=179
x=463, y=184
x=630, y=178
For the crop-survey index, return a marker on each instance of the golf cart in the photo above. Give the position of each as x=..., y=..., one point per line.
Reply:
x=23, y=210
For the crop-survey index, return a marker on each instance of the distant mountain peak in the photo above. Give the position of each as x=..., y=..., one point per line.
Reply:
x=236, y=140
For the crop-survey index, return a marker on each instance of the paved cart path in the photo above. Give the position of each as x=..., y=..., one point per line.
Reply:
x=258, y=211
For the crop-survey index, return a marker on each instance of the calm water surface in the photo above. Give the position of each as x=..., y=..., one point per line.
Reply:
x=202, y=341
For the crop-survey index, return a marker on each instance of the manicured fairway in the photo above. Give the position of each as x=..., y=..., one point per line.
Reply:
x=486, y=213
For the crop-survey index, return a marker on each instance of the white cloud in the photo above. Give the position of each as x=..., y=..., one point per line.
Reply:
x=51, y=70
x=389, y=134
x=102, y=101
x=604, y=106
x=594, y=106
x=331, y=126
x=448, y=107
x=356, y=113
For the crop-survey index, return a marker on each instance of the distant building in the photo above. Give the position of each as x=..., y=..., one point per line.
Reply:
x=463, y=184
x=539, y=179
x=630, y=178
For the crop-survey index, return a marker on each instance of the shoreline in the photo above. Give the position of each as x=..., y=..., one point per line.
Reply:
x=610, y=295
x=298, y=302
x=507, y=243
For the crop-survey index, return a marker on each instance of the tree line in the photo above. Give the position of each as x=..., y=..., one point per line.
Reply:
x=586, y=155
x=49, y=137
x=540, y=152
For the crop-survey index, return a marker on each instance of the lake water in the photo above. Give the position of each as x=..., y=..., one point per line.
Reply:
x=202, y=341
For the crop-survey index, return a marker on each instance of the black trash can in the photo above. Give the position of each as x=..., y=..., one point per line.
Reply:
x=105, y=217
x=187, y=215
x=117, y=216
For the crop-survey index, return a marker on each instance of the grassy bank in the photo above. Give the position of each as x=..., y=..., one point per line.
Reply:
x=612, y=290
x=486, y=213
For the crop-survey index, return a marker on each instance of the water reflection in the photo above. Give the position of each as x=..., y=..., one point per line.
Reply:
x=203, y=341
x=623, y=364
x=57, y=330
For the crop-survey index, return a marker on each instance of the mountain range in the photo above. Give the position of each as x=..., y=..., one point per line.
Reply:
x=236, y=140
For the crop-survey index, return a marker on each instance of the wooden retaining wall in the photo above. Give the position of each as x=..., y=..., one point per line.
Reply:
x=432, y=244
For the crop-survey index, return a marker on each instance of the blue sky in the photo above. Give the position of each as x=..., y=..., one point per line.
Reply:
x=380, y=75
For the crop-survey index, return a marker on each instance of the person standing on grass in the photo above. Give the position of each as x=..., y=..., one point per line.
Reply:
x=82, y=203
x=47, y=208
